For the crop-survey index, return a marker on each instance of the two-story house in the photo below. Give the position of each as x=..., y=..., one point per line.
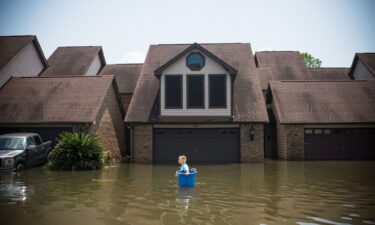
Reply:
x=202, y=100
x=20, y=56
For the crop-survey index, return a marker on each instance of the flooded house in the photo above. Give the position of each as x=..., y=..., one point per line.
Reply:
x=202, y=100
x=324, y=120
x=51, y=105
x=20, y=56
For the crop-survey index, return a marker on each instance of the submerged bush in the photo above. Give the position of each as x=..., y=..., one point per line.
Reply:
x=76, y=152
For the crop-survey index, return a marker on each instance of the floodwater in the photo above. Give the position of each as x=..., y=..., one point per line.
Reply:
x=276, y=192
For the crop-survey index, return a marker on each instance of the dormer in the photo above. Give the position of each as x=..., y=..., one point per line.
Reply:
x=196, y=83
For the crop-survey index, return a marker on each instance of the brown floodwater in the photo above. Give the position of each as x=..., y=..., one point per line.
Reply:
x=276, y=192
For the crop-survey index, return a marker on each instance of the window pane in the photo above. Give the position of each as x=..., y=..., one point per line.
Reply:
x=195, y=61
x=318, y=131
x=195, y=91
x=308, y=131
x=327, y=131
x=217, y=91
x=37, y=140
x=173, y=91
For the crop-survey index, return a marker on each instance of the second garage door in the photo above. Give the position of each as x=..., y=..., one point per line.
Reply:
x=340, y=144
x=200, y=145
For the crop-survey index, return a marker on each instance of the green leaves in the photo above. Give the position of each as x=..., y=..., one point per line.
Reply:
x=311, y=61
x=76, y=152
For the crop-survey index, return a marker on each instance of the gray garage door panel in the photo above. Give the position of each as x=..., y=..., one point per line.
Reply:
x=340, y=144
x=203, y=145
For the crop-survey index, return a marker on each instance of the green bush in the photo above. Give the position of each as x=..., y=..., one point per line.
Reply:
x=76, y=152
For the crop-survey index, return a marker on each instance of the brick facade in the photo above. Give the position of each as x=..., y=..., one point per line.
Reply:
x=252, y=150
x=142, y=143
x=110, y=126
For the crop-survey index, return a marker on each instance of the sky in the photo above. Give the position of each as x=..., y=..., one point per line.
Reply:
x=331, y=30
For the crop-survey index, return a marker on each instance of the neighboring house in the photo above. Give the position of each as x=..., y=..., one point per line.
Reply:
x=363, y=67
x=20, y=56
x=204, y=101
x=126, y=77
x=50, y=105
x=324, y=120
x=77, y=60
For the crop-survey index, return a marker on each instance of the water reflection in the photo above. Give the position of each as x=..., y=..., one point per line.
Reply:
x=269, y=193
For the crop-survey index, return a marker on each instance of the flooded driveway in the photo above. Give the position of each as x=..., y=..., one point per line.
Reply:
x=271, y=193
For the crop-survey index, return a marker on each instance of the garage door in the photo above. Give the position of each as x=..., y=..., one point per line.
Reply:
x=339, y=144
x=199, y=145
x=47, y=133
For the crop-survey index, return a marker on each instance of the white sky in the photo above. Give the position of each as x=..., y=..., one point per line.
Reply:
x=331, y=30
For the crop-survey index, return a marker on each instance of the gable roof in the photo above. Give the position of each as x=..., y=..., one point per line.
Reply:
x=323, y=101
x=232, y=71
x=325, y=73
x=248, y=104
x=126, y=75
x=284, y=65
x=368, y=59
x=264, y=75
x=11, y=45
x=53, y=99
x=73, y=60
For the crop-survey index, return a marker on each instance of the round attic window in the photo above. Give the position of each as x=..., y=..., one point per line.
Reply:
x=195, y=61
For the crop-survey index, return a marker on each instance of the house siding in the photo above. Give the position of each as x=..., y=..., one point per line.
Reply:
x=26, y=63
x=110, y=126
x=252, y=150
x=94, y=67
x=361, y=72
x=180, y=68
x=142, y=143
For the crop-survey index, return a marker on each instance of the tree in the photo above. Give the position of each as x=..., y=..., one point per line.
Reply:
x=310, y=60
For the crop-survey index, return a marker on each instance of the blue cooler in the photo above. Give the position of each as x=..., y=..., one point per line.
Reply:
x=187, y=181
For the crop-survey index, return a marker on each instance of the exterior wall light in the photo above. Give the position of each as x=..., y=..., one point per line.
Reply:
x=252, y=133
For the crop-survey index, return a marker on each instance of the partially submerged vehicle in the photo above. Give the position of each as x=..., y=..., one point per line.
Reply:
x=22, y=150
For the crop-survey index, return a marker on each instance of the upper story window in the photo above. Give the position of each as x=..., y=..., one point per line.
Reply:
x=217, y=91
x=173, y=91
x=195, y=91
x=195, y=61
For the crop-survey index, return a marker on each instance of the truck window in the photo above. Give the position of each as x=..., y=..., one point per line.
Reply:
x=37, y=140
x=30, y=141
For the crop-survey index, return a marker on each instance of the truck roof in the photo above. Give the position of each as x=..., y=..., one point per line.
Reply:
x=18, y=135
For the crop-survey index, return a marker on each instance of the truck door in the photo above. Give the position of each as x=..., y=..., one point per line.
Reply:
x=32, y=152
x=40, y=153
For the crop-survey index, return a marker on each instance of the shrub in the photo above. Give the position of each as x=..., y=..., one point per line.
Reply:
x=76, y=152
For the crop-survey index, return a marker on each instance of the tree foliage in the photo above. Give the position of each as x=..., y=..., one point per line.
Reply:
x=76, y=152
x=310, y=60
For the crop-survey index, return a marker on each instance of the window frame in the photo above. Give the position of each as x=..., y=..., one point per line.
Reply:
x=187, y=91
x=166, y=91
x=191, y=68
x=225, y=91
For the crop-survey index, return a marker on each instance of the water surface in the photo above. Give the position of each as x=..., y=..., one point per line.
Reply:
x=275, y=192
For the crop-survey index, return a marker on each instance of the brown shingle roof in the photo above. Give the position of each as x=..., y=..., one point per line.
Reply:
x=324, y=101
x=368, y=59
x=265, y=75
x=285, y=65
x=11, y=45
x=248, y=103
x=329, y=73
x=126, y=75
x=72, y=60
x=53, y=99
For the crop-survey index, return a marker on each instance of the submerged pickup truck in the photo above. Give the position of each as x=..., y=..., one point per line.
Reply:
x=22, y=150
